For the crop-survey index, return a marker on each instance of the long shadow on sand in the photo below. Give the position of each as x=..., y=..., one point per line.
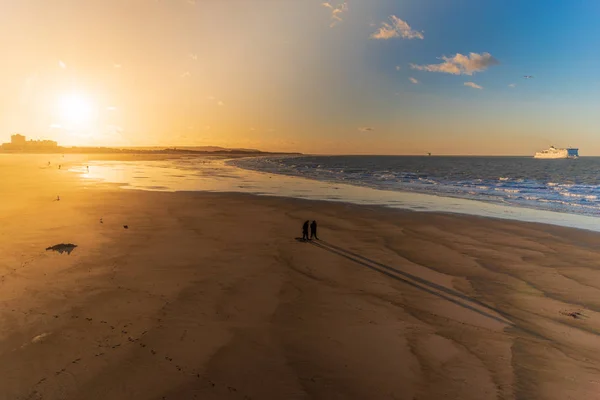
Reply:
x=423, y=284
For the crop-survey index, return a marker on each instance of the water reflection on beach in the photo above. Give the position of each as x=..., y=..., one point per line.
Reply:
x=214, y=175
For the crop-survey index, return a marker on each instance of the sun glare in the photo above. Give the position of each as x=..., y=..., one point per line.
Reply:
x=76, y=110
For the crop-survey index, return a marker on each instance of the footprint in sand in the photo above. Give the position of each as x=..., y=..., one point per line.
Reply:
x=76, y=361
x=153, y=352
x=168, y=359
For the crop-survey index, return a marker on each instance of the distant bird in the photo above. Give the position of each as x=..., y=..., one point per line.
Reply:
x=126, y=226
x=527, y=76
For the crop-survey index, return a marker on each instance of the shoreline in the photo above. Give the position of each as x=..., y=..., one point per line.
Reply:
x=259, y=183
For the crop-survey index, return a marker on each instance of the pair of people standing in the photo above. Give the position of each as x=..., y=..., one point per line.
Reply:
x=313, y=230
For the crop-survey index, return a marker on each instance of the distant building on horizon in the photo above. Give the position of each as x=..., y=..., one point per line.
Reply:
x=19, y=142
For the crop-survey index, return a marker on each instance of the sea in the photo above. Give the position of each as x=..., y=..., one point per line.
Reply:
x=562, y=192
x=563, y=185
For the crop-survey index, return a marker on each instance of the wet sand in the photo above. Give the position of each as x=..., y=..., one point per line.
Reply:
x=212, y=296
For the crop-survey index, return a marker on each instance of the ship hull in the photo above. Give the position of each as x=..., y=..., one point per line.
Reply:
x=554, y=153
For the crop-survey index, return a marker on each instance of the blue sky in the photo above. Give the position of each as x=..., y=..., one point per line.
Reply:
x=311, y=76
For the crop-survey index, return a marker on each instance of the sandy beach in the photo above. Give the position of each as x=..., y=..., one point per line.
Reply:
x=212, y=296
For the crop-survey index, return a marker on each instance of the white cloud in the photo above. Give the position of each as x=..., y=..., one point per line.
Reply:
x=220, y=103
x=193, y=56
x=397, y=28
x=62, y=64
x=473, y=85
x=413, y=80
x=185, y=74
x=336, y=12
x=460, y=64
x=398, y=68
x=512, y=85
x=366, y=129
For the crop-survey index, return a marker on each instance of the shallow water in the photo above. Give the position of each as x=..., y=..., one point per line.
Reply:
x=196, y=174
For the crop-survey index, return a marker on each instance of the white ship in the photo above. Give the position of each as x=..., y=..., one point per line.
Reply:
x=553, y=152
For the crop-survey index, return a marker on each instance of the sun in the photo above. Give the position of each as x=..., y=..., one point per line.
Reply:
x=76, y=110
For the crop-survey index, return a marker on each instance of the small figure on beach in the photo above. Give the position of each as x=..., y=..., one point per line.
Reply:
x=59, y=166
x=305, y=230
x=48, y=163
x=57, y=198
x=313, y=230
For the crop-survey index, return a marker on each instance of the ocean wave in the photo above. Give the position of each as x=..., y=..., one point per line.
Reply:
x=457, y=177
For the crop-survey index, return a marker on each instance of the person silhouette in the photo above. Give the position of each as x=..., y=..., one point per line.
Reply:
x=313, y=230
x=305, y=230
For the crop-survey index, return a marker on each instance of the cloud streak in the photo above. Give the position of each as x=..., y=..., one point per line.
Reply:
x=473, y=85
x=336, y=12
x=460, y=64
x=396, y=28
x=366, y=129
x=413, y=80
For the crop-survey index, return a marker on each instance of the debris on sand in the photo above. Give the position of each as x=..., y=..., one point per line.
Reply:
x=62, y=248
x=572, y=314
x=126, y=226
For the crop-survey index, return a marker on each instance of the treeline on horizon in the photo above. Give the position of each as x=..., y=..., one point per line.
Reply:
x=110, y=150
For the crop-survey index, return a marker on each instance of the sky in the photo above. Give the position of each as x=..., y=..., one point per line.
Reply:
x=353, y=77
